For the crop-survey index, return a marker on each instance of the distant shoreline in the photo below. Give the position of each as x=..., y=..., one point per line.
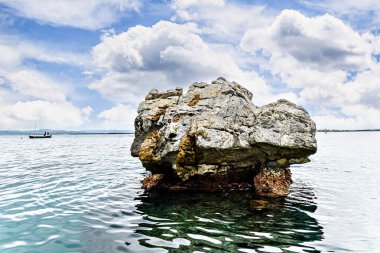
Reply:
x=359, y=130
x=113, y=132
x=62, y=132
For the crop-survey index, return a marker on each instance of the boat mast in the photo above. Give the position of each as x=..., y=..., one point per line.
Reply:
x=34, y=129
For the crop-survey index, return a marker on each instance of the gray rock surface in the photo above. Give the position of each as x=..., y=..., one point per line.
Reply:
x=213, y=137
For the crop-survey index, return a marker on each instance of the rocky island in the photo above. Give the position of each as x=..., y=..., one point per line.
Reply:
x=214, y=138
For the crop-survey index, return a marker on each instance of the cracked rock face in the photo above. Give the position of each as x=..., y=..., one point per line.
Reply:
x=214, y=138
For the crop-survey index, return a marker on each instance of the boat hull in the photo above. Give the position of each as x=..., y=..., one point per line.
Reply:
x=39, y=136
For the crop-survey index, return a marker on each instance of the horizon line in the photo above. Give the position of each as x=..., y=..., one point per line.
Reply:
x=132, y=131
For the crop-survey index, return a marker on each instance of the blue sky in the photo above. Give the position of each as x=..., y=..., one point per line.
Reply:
x=87, y=64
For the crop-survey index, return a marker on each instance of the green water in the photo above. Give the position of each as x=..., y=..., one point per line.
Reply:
x=82, y=194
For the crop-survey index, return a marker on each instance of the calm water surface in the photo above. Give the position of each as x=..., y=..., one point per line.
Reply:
x=82, y=194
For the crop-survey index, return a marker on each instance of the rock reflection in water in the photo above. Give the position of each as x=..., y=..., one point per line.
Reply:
x=232, y=222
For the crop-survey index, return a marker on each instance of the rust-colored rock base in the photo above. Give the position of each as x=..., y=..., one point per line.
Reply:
x=152, y=181
x=269, y=182
x=273, y=182
x=196, y=184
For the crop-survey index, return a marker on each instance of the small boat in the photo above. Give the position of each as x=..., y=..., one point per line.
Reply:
x=47, y=134
x=40, y=136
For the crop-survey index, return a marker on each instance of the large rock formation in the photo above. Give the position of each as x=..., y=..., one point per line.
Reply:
x=213, y=137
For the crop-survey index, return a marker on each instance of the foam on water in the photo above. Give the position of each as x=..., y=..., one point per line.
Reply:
x=82, y=194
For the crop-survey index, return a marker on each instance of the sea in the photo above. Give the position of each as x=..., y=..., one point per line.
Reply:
x=82, y=193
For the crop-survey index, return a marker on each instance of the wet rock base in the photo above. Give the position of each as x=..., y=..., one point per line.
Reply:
x=268, y=182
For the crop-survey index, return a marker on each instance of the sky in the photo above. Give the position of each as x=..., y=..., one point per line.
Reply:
x=80, y=65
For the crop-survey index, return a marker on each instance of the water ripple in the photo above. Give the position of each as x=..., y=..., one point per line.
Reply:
x=82, y=194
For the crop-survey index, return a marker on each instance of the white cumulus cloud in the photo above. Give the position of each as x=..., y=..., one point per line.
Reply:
x=34, y=84
x=54, y=115
x=322, y=42
x=86, y=14
x=120, y=116
x=224, y=21
x=28, y=95
x=198, y=3
x=163, y=56
x=364, y=14
x=330, y=64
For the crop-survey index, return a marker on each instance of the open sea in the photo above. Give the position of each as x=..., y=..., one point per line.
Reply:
x=81, y=193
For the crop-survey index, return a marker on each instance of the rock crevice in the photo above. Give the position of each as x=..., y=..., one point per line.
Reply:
x=214, y=138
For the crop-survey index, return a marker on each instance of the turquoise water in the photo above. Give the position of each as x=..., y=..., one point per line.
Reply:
x=82, y=194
